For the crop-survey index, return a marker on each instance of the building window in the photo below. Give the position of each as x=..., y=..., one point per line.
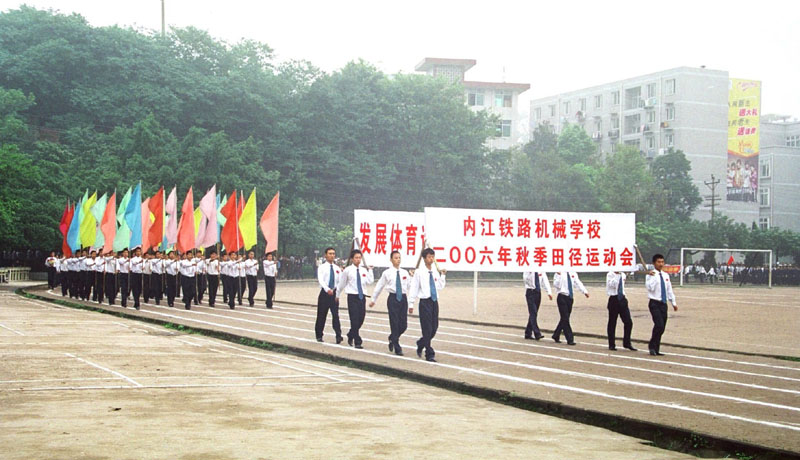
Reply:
x=475, y=97
x=763, y=196
x=764, y=169
x=670, y=112
x=566, y=108
x=633, y=98
x=670, y=86
x=793, y=141
x=502, y=99
x=503, y=129
x=650, y=142
x=537, y=113
x=651, y=116
x=669, y=139
x=583, y=104
x=633, y=143
x=553, y=110
x=598, y=101
x=598, y=125
x=614, y=147
x=633, y=124
x=614, y=122
x=763, y=223
x=615, y=98
x=651, y=90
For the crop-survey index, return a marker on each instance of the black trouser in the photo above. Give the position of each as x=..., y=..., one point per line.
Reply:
x=51, y=277
x=658, y=310
x=146, y=286
x=98, y=287
x=327, y=302
x=172, y=289
x=252, y=287
x=156, y=286
x=564, y=303
x=357, y=310
x=241, y=285
x=63, y=277
x=429, y=323
x=225, y=287
x=123, y=288
x=269, y=284
x=72, y=276
x=88, y=283
x=201, y=286
x=617, y=307
x=213, y=284
x=398, y=318
x=188, y=285
x=136, y=287
x=534, y=299
x=111, y=287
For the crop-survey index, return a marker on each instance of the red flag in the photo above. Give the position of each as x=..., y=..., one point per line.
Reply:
x=730, y=260
x=109, y=224
x=269, y=224
x=66, y=220
x=186, y=225
x=230, y=236
x=146, y=226
x=156, y=206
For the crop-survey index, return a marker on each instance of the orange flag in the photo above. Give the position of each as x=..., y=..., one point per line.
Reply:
x=186, y=225
x=156, y=207
x=146, y=226
x=109, y=223
x=230, y=236
x=269, y=224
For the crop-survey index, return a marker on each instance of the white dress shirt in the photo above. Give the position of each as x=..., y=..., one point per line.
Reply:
x=124, y=265
x=240, y=269
x=111, y=264
x=81, y=264
x=271, y=268
x=100, y=264
x=58, y=264
x=420, y=287
x=157, y=266
x=251, y=267
x=136, y=264
x=653, y=286
x=225, y=268
x=324, y=273
x=347, y=282
x=388, y=280
x=51, y=262
x=212, y=267
x=612, y=283
x=172, y=267
x=560, y=283
x=89, y=265
x=530, y=281
x=187, y=268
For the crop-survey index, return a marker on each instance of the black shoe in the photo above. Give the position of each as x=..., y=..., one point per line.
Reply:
x=188, y=307
x=612, y=348
x=630, y=347
x=391, y=346
x=658, y=353
x=430, y=360
x=269, y=308
x=232, y=307
x=359, y=346
x=419, y=351
x=398, y=352
x=339, y=340
x=571, y=343
x=349, y=340
x=137, y=307
x=652, y=352
x=158, y=302
x=527, y=337
x=556, y=340
x=538, y=338
x=319, y=339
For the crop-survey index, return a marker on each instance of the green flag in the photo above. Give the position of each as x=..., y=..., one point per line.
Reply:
x=123, y=238
x=98, y=210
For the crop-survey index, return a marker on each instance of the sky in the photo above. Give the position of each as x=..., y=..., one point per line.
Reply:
x=555, y=46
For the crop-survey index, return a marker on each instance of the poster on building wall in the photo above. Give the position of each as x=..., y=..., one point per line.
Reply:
x=378, y=233
x=744, y=110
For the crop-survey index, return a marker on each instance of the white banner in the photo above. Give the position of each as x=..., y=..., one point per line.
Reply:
x=381, y=232
x=487, y=240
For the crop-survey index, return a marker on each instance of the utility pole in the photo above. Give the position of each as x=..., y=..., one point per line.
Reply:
x=163, y=24
x=712, y=199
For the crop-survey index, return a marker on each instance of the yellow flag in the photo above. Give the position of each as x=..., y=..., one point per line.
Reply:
x=88, y=228
x=247, y=223
x=197, y=215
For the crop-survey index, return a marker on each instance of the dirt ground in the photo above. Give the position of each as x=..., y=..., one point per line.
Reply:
x=78, y=384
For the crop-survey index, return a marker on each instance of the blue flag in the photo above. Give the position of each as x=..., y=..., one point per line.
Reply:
x=74, y=232
x=133, y=216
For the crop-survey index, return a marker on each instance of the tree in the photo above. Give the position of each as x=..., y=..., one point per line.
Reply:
x=627, y=185
x=671, y=173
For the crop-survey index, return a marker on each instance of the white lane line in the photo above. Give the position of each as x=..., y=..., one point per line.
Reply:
x=59, y=380
x=105, y=369
x=502, y=376
x=256, y=358
x=195, y=385
x=12, y=330
x=605, y=355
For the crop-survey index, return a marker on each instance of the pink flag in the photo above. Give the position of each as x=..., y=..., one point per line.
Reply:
x=269, y=224
x=146, y=243
x=208, y=207
x=171, y=233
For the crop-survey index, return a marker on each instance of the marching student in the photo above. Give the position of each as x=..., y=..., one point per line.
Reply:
x=90, y=276
x=137, y=264
x=534, y=281
x=83, y=276
x=566, y=282
x=171, y=270
x=396, y=280
x=425, y=286
x=200, y=277
x=147, y=270
x=270, y=273
x=212, y=271
x=123, y=270
x=352, y=282
x=187, y=270
x=62, y=271
x=99, y=270
x=157, y=277
x=251, y=275
x=328, y=276
x=659, y=290
x=110, y=277
x=618, y=306
x=241, y=277
x=50, y=263
x=224, y=276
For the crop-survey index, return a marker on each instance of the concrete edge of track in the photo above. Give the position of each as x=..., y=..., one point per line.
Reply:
x=656, y=434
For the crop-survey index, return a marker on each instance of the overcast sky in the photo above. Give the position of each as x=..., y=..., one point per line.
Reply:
x=555, y=46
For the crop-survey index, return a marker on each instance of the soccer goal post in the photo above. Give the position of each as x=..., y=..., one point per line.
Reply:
x=731, y=265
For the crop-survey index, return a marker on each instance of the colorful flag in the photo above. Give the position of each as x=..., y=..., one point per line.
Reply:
x=208, y=207
x=186, y=226
x=230, y=236
x=156, y=206
x=171, y=226
x=123, y=237
x=220, y=217
x=146, y=222
x=66, y=220
x=133, y=216
x=269, y=223
x=108, y=225
x=247, y=222
x=63, y=224
x=98, y=210
x=198, y=226
x=74, y=232
x=88, y=222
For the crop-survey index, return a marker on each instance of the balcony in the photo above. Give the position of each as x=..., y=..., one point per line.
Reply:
x=597, y=135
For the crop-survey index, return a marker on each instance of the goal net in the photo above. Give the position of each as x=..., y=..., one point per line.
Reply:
x=726, y=266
